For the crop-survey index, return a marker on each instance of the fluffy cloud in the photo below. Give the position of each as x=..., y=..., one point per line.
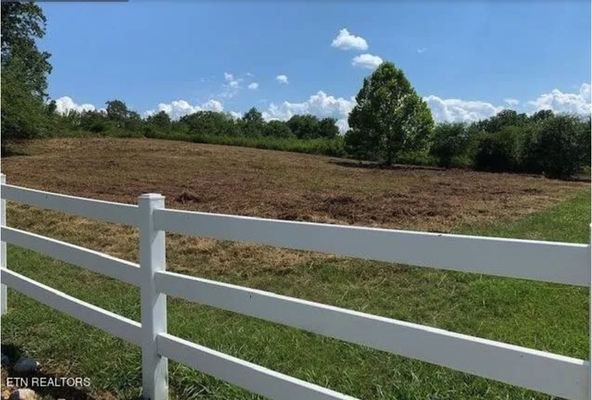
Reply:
x=65, y=104
x=282, y=79
x=457, y=110
x=253, y=86
x=319, y=104
x=366, y=61
x=347, y=41
x=558, y=101
x=178, y=108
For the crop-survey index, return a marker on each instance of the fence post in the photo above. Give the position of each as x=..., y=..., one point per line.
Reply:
x=3, y=263
x=153, y=303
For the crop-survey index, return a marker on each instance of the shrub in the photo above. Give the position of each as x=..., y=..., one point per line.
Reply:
x=559, y=148
x=450, y=144
x=500, y=151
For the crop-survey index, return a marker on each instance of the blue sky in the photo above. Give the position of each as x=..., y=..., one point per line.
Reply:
x=468, y=59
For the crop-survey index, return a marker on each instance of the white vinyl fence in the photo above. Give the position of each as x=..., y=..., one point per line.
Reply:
x=541, y=371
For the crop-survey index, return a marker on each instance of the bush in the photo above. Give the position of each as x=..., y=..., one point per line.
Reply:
x=99, y=127
x=500, y=151
x=450, y=145
x=559, y=147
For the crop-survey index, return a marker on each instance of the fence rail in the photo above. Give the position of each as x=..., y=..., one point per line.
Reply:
x=545, y=372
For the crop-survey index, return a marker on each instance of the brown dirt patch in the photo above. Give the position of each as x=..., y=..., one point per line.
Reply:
x=278, y=185
x=253, y=182
x=261, y=183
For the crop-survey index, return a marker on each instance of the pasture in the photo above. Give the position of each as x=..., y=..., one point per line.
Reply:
x=295, y=187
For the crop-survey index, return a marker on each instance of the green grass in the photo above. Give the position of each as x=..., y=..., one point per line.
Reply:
x=543, y=316
x=328, y=147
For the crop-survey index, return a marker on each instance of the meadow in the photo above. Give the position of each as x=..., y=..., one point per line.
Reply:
x=273, y=184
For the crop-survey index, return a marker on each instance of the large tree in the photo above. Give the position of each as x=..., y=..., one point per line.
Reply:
x=23, y=23
x=161, y=121
x=389, y=119
x=24, y=70
x=117, y=112
x=252, y=123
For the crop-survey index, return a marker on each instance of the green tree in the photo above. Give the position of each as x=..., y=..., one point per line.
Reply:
x=541, y=115
x=117, y=112
x=560, y=147
x=253, y=115
x=357, y=144
x=390, y=118
x=304, y=126
x=22, y=24
x=94, y=121
x=22, y=113
x=327, y=128
x=501, y=120
x=252, y=123
x=501, y=151
x=278, y=129
x=24, y=71
x=160, y=121
x=210, y=123
x=51, y=108
x=134, y=121
x=450, y=143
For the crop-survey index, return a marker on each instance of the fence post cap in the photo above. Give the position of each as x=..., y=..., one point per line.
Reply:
x=152, y=196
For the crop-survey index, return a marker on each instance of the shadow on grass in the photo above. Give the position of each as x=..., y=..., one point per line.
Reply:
x=581, y=177
x=375, y=165
x=48, y=384
x=9, y=152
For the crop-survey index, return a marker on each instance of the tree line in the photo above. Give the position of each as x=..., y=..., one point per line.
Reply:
x=117, y=116
x=389, y=124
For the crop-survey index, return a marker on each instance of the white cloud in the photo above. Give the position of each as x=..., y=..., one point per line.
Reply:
x=253, y=86
x=231, y=87
x=347, y=41
x=366, y=61
x=511, y=102
x=179, y=108
x=320, y=104
x=282, y=79
x=421, y=50
x=558, y=101
x=457, y=110
x=65, y=104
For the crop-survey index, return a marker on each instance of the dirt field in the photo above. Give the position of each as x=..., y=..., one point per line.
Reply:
x=260, y=183
x=279, y=185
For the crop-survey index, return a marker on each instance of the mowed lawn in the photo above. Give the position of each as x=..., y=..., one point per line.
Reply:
x=297, y=187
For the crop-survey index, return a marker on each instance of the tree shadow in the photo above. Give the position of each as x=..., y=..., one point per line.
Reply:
x=10, y=152
x=375, y=165
x=49, y=384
